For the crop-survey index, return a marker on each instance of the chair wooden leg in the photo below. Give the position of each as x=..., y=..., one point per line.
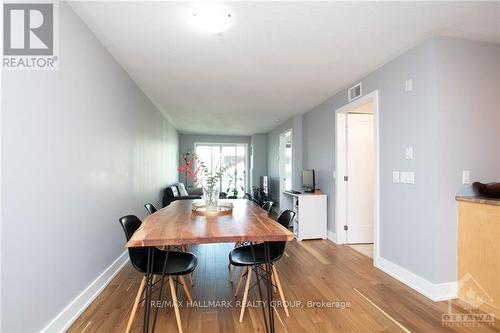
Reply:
x=273, y=281
x=136, y=304
x=191, y=279
x=245, y=293
x=186, y=289
x=176, y=305
x=280, y=290
x=242, y=271
x=231, y=273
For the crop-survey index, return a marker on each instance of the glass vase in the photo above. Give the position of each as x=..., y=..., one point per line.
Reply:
x=211, y=196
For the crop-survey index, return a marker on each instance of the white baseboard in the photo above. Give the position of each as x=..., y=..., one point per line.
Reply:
x=331, y=236
x=73, y=310
x=434, y=291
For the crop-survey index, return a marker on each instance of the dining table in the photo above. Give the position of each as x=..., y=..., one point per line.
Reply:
x=180, y=224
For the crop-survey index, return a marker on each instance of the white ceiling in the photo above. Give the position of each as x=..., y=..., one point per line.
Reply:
x=276, y=60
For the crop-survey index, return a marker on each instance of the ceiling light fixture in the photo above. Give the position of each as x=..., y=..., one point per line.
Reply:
x=212, y=17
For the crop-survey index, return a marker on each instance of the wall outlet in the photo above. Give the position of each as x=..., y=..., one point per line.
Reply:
x=466, y=177
x=409, y=153
x=407, y=177
x=408, y=85
x=395, y=177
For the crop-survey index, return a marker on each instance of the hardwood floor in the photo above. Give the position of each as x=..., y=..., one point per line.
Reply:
x=362, y=298
x=365, y=249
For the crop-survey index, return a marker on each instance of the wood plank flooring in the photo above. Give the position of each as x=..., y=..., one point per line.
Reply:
x=312, y=273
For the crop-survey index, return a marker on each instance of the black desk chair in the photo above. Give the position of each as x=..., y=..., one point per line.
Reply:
x=150, y=208
x=178, y=265
x=243, y=257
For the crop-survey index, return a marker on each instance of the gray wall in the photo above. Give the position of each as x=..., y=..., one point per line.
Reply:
x=407, y=212
x=451, y=118
x=81, y=147
x=273, y=140
x=258, y=143
x=469, y=129
x=187, y=141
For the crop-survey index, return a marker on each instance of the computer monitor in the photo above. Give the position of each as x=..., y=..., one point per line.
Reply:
x=308, y=180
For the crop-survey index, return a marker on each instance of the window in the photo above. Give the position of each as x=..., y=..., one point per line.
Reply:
x=215, y=155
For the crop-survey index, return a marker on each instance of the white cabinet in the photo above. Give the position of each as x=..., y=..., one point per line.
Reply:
x=310, y=221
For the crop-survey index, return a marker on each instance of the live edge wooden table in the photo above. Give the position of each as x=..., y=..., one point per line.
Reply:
x=177, y=225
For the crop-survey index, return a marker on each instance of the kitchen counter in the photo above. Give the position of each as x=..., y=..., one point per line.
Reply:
x=480, y=200
x=479, y=252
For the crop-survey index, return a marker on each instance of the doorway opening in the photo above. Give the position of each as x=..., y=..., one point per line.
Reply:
x=356, y=181
x=285, y=162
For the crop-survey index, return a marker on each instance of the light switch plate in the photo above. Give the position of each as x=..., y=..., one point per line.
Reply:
x=466, y=177
x=409, y=153
x=408, y=85
x=407, y=177
x=395, y=177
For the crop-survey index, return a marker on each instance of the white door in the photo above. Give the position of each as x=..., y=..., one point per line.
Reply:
x=285, y=163
x=360, y=171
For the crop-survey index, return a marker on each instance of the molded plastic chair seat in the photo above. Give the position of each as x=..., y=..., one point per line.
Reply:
x=150, y=208
x=242, y=256
x=268, y=205
x=178, y=263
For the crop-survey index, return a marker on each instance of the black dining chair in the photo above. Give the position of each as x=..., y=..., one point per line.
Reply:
x=150, y=208
x=268, y=205
x=243, y=256
x=178, y=265
x=231, y=197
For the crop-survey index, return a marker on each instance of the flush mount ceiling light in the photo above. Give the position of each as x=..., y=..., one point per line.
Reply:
x=212, y=17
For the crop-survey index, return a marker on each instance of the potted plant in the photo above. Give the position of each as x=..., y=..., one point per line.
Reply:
x=210, y=183
x=235, y=184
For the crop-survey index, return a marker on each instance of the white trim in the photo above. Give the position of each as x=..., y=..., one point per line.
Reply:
x=280, y=158
x=434, y=291
x=339, y=183
x=1, y=184
x=331, y=236
x=74, y=309
x=340, y=189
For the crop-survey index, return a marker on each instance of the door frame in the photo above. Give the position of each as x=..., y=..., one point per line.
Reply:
x=340, y=186
x=281, y=154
